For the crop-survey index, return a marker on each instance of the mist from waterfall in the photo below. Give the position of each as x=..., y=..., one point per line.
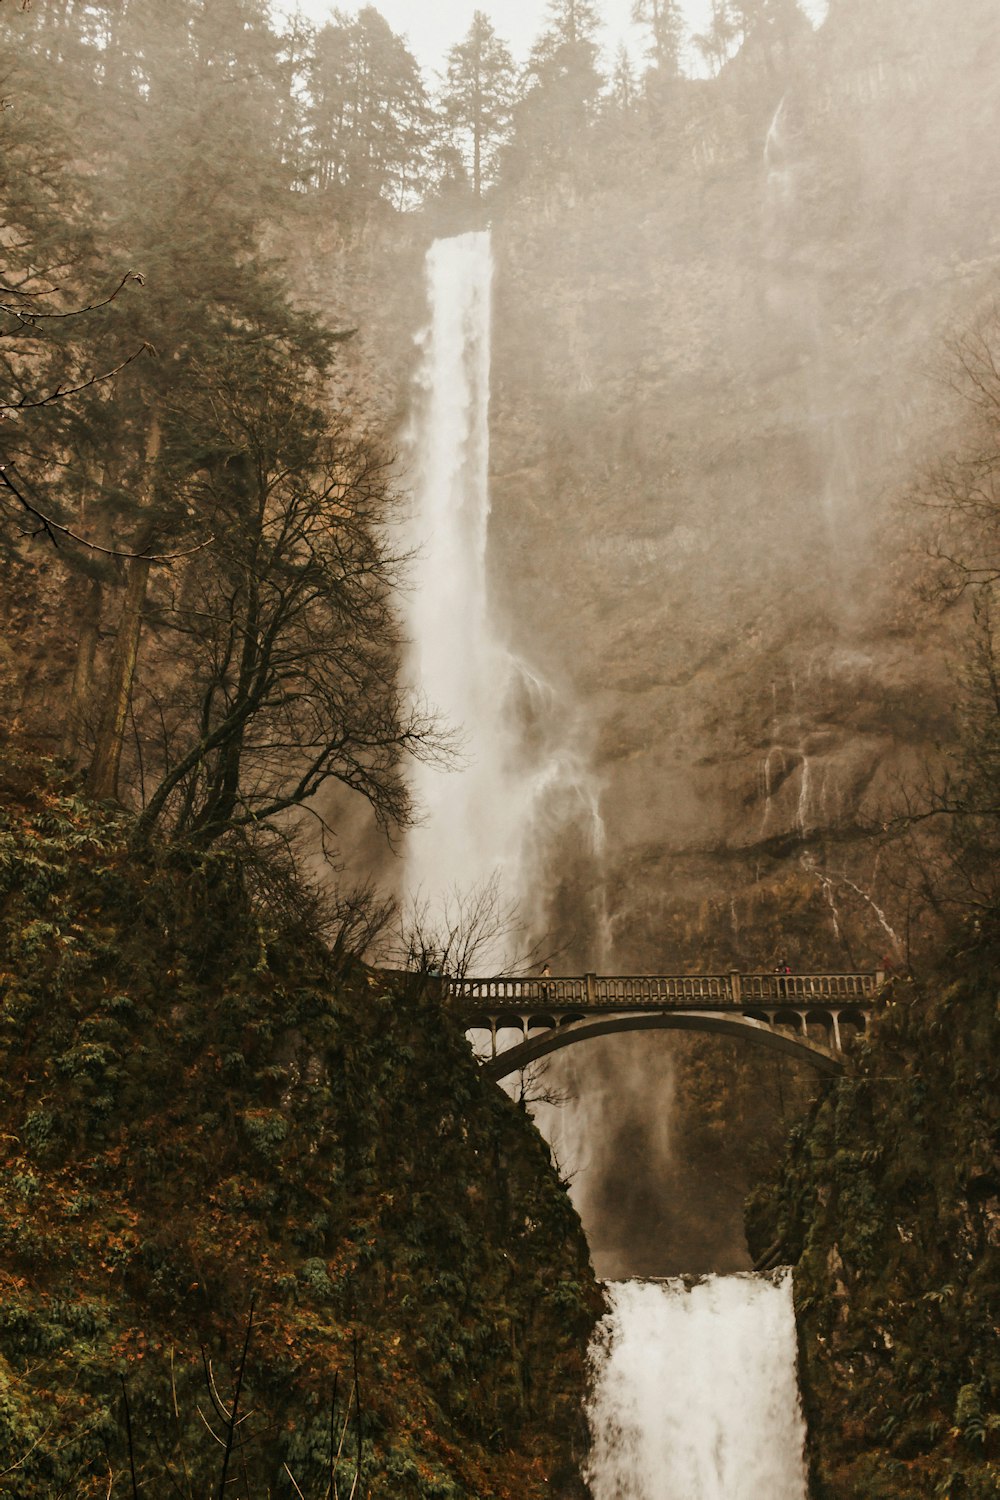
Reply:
x=517, y=781
x=694, y=1392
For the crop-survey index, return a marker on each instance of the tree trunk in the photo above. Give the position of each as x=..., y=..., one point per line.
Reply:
x=102, y=780
x=89, y=621
x=89, y=627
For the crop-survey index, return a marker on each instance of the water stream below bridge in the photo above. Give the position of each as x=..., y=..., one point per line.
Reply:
x=693, y=1382
x=694, y=1393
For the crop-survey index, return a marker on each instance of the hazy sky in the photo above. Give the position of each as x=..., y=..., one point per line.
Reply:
x=432, y=26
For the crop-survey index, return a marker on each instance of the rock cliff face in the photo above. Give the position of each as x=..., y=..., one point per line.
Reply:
x=714, y=381
x=721, y=364
x=202, y=1109
x=888, y=1204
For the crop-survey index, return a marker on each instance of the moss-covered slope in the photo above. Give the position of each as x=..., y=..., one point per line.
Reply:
x=197, y=1111
x=889, y=1203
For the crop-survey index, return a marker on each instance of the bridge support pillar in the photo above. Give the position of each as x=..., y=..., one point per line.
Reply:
x=838, y=1044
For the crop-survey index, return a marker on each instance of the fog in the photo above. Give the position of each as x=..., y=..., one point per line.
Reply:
x=431, y=31
x=715, y=379
x=674, y=612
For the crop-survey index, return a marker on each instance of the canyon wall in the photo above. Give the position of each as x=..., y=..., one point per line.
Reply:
x=720, y=369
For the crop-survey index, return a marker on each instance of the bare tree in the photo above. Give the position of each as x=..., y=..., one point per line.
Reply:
x=471, y=928
x=287, y=636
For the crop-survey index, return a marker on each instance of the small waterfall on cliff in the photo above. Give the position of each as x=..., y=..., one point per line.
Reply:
x=519, y=780
x=695, y=1394
x=794, y=290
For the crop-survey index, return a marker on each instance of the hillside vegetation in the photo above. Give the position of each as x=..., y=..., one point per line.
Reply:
x=888, y=1203
x=200, y=1110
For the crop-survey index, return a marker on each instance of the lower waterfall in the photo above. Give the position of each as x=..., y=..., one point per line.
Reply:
x=694, y=1392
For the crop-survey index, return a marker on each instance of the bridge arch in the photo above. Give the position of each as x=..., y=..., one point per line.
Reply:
x=806, y=1016
x=755, y=1028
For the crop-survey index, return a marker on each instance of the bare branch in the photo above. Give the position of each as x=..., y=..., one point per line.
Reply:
x=54, y=529
x=32, y=317
x=61, y=393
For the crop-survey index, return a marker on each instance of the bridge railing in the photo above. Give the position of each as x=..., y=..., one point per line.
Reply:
x=663, y=989
x=804, y=988
x=593, y=991
x=559, y=992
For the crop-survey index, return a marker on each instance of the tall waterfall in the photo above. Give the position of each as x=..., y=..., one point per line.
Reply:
x=695, y=1395
x=517, y=778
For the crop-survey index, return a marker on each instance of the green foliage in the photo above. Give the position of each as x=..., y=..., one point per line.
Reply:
x=186, y=1122
x=477, y=98
x=367, y=114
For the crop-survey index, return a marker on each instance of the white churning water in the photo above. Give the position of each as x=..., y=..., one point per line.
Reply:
x=695, y=1394
x=517, y=782
x=454, y=661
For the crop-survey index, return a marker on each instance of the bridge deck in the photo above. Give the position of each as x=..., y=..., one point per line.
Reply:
x=808, y=1016
x=499, y=995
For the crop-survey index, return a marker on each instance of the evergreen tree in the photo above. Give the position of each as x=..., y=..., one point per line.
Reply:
x=567, y=49
x=217, y=448
x=720, y=38
x=623, y=84
x=477, y=97
x=185, y=195
x=57, y=284
x=189, y=189
x=368, y=118
x=770, y=20
x=563, y=82
x=773, y=23
x=296, y=49
x=665, y=20
x=287, y=676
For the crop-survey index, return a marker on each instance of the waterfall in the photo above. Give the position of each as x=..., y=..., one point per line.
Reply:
x=694, y=1392
x=518, y=778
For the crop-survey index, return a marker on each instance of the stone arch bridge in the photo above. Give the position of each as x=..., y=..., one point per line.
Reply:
x=812, y=1017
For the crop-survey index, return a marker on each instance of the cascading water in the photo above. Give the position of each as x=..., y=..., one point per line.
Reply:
x=517, y=780
x=454, y=660
x=694, y=1394
x=694, y=1389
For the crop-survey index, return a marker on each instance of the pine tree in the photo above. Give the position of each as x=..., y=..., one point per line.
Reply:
x=56, y=285
x=188, y=189
x=721, y=37
x=559, y=104
x=773, y=20
x=368, y=121
x=296, y=49
x=566, y=52
x=287, y=674
x=477, y=98
x=773, y=23
x=170, y=455
x=665, y=20
x=623, y=83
